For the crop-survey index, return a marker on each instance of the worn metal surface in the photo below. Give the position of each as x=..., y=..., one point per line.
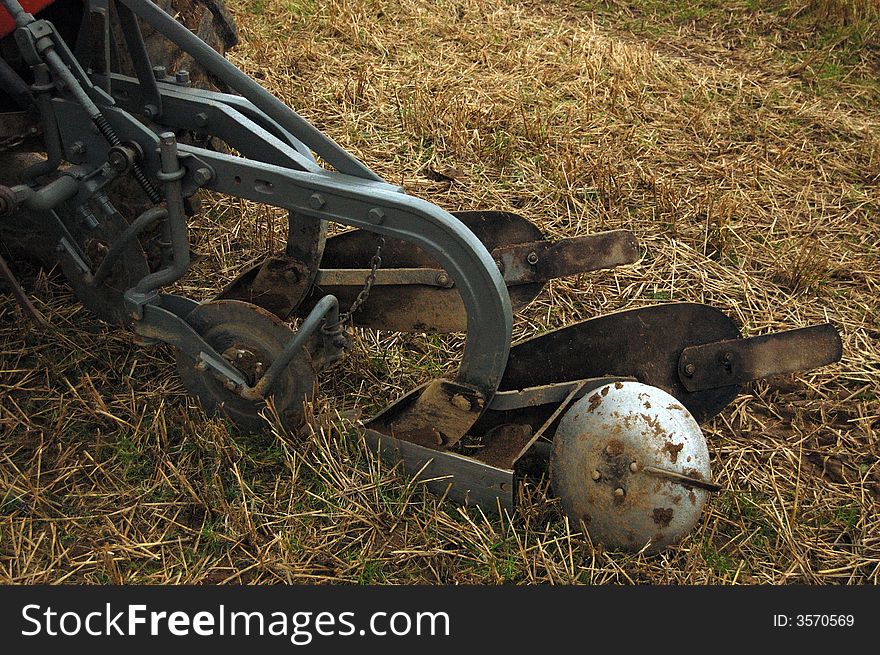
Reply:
x=597, y=467
x=104, y=299
x=412, y=303
x=275, y=284
x=515, y=420
x=539, y=261
x=418, y=308
x=644, y=344
x=430, y=277
x=508, y=443
x=460, y=479
x=505, y=401
x=436, y=415
x=279, y=283
x=736, y=361
x=250, y=339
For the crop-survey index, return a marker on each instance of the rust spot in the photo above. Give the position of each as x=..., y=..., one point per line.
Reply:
x=461, y=402
x=662, y=517
x=618, y=385
x=647, y=405
x=692, y=497
x=676, y=500
x=604, y=391
x=595, y=401
x=614, y=448
x=673, y=450
x=674, y=406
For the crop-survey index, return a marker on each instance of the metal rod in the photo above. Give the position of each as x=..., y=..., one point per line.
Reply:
x=327, y=307
x=51, y=137
x=217, y=65
x=49, y=196
x=21, y=297
x=562, y=406
x=130, y=233
x=171, y=174
x=19, y=15
x=683, y=479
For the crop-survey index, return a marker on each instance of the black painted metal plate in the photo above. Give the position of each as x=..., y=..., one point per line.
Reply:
x=643, y=343
x=737, y=361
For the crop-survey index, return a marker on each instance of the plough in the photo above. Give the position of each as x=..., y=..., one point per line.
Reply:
x=610, y=406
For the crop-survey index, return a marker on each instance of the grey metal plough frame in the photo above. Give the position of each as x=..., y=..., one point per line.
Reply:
x=277, y=168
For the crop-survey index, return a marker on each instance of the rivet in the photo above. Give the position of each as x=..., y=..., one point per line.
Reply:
x=619, y=492
x=532, y=258
x=596, y=476
x=689, y=370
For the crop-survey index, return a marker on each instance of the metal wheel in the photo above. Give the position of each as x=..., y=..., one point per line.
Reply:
x=630, y=463
x=250, y=338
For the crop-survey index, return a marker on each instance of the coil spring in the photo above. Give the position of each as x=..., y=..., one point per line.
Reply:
x=137, y=172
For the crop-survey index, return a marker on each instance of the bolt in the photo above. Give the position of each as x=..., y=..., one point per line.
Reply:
x=634, y=467
x=202, y=176
x=201, y=119
x=78, y=148
x=181, y=77
x=230, y=384
x=316, y=201
x=201, y=366
x=619, y=492
x=160, y=72
x=150, y=112
x=376, y=216
x=689, y=370
x=727, y=357
x=442, y=279
x=596, y=476
x=118, y=161
x=532, y=258
x=259, y=368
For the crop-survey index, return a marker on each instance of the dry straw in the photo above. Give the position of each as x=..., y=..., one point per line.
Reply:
x=748, y=187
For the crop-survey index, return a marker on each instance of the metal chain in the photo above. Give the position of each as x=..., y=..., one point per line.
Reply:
x=369, y=281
